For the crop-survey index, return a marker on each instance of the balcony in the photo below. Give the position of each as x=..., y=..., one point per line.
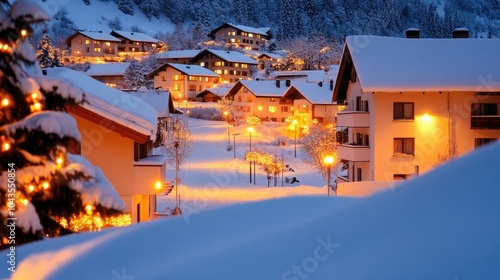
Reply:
x=148, y=171
x=485, y=122
x=353, y=152
x=353, y=119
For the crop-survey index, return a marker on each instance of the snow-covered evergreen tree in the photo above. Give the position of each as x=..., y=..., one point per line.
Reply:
x=44, y=190
x=135, y=75
x=151, y=8
x=126, y=6
x=44, y=50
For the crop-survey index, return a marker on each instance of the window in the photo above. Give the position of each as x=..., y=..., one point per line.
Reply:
x=80, y=42
x=272, y=99
x=97, y=49
x=236, y=64
x=97, y=42
x=359, y=173
x=233, y=40
x=244, y=73
x=87, y=42
x=192, y=87
x=199, y=79
x=273, y=109
x=219, y=63
x=484, y=109
x=108, y=44
x=87, y=49
x=191, y=78
x=478, y=142
x=399, y=177
x=202, y=64
x=403, y=111
x=404, y=146
x=243, y=65
x=284, y=108
x=164, y=78
x=250, y=35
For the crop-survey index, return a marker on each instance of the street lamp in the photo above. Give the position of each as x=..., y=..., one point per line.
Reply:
x=234, y=143
x=328, y=161
x=295, y=134
x=250, y=131
x=177, y=210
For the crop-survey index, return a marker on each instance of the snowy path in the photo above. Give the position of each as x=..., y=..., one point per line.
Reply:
x=212, y=177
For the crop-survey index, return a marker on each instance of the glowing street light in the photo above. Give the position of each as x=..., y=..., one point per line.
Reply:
x=250, y=131
x=295, y=134
x=328, y=161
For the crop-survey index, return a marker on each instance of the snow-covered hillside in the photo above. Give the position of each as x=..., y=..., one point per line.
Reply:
x=441, y=225
x=98, y=15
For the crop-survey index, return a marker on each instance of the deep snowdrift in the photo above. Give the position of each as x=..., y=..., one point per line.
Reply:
x=442, y=225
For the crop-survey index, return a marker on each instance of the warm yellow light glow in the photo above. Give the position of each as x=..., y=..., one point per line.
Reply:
x=89, y=208
x=6, y=146
x=36, y=107
x=24, y=32
x=5, y=47
x=5, y=102
x=426, y=117
x=250, y=130
x=94, y=222
x=59, y=161
x=45, y=185
x=31, y=188
x=24, y=201
x=260, y=108
x=158, y=185
x=5, y=240
x=328, y=160
x=34, y=95
x=225, y=113
x=294, y=121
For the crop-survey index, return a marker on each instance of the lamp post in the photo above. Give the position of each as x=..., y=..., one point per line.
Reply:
x=176, y=145
x=295, y=134
x=250, y=131
x=234, y=144
x=328, y=161
x=187, y=112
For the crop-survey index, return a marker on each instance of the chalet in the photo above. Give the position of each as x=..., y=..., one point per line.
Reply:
x=94, y=44
x=260, y=98
x=312, y=103
x=274, y=59
x=179, y=57
x=132, y=42
x=111, y=74
x=183, y=81
x=213, y=94
x=117, y=134
x=411, y=102
x=247, y=38
x=231, y=66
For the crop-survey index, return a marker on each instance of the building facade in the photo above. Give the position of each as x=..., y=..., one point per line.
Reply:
x=93, y=44
x=245, y=37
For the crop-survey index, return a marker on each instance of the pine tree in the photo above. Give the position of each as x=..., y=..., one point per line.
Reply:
x=44, y=190
x=44, y=53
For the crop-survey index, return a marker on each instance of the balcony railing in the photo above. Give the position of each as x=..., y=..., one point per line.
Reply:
x=353, y=119
x=485, y=122
x=353, y=152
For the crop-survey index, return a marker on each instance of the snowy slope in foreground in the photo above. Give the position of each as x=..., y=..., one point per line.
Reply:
x=442, y=225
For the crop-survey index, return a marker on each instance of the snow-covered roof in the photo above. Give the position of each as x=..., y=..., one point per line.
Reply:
x=401, y=64
x=186, y=69
x=260, y=88
x=111, y=103
x=219, y=91
x=135, y=36
x=100, y=36
x=244, y=28
x=272, y=55
x=313, y=92
x=315, y=76
x=177, y=54
x=193, y=70
x=160, y=100
x=107, y=69
x=229, y=56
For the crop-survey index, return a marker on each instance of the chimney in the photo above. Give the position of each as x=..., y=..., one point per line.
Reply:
x=331, y=84
x=412, y=33
x=320, y=84
x=277, y=83
x=288, y=83
x=460, y=33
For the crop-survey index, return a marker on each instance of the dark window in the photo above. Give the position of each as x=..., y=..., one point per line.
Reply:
x=484, y=109
x=478, y=142
x=398, y=177
x=359, y=173
x=404, y=146
x=403, y=111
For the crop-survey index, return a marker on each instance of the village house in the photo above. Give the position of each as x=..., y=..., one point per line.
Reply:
x=247, y=38
x=412, y=103
x=229, y=65
x=262, y=99
x=271, y=60
x=214, y=94
x=117, y=134
x=111, y=74
x=131, y=42
x=183, y=81
x=93, y=44
x=312, y=103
